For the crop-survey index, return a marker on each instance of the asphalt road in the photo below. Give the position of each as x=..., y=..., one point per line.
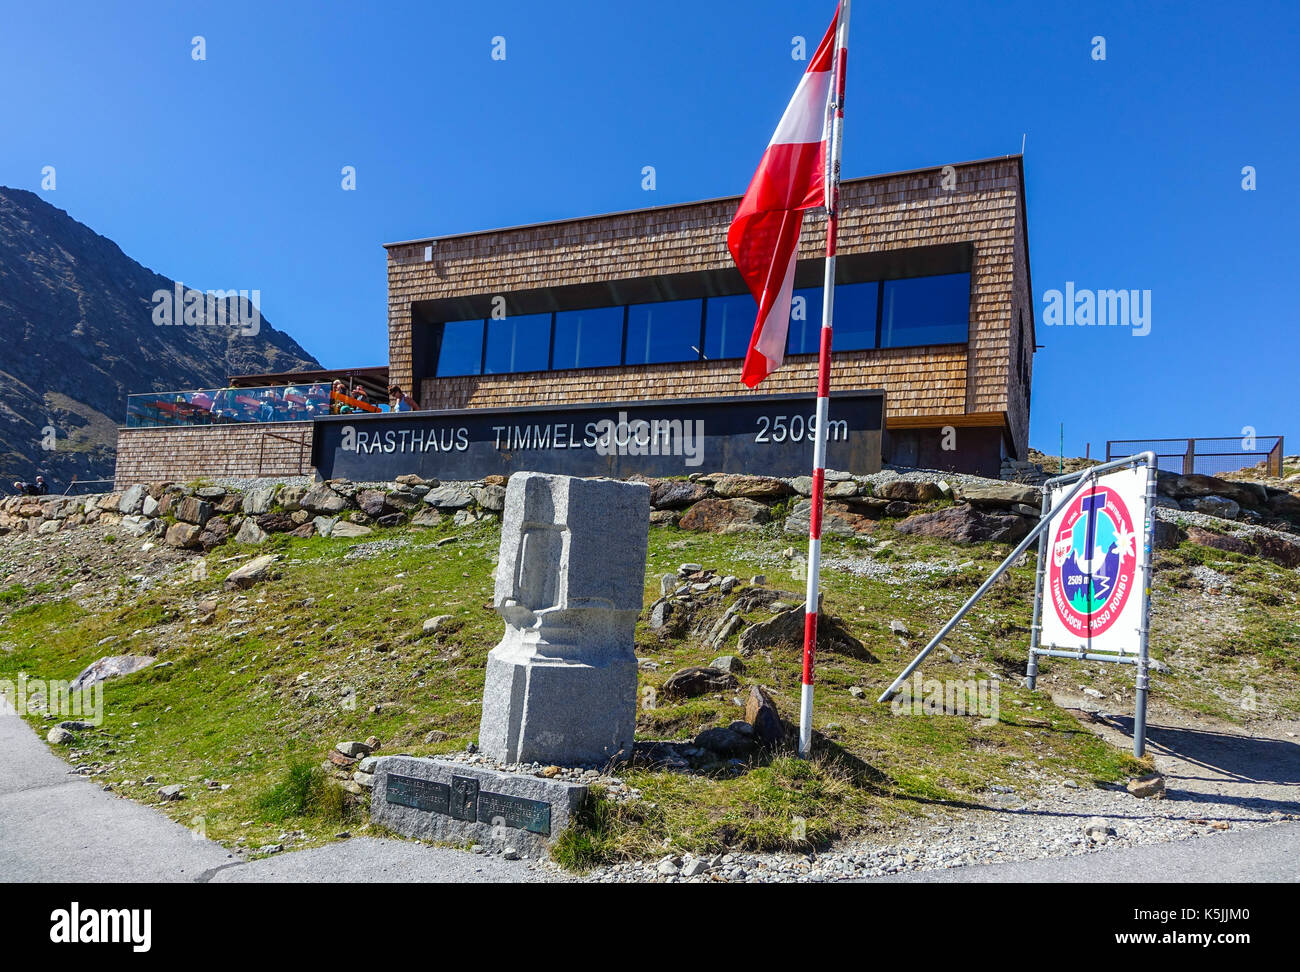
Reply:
x=56, y=826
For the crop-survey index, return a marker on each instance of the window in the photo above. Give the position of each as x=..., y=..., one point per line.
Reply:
x=588, y=338
x=521, y=343
x=461, y=350
x=926, y=310
x=855, y=316
x=805, y=322
x=666, y=331
x=728, y=326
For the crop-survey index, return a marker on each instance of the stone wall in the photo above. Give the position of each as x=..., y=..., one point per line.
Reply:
x=279, y=449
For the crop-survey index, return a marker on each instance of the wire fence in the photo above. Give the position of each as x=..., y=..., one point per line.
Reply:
x=1207, y=456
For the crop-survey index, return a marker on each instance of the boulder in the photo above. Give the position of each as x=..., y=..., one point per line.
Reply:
x=255, y=571
x=1219, y=506
x=964, y=524
x=672, y=494
x=1218, y=541
x=728, y=663
x=698, y=680
x=727, y=742
x=909, y=491
x=1166, y=535
x=215, y=533
x=281, y=522
x=490, y=497
x=448, y=498
x=762, y=714
x=110, y=666
x=1149, y=787
x=725, y=516
x=194, y=510
x=427, y=517
x=58, y=736
x=784, y=630
x=838, y=519
x=373, y=502
x=250, y=532
x=290, y=497
x=751, y=487
x=183, y=535
x=258, y=500
x=1270, y=546
x=132, y=500
x=1001, y=496
x=344, y=528
x=322, y=500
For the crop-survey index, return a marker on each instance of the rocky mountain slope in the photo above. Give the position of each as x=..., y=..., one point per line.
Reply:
x=77, y=335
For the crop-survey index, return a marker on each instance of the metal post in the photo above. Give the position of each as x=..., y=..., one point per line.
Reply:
x=812, y=596
x=1036, y=626
x=1143, y=677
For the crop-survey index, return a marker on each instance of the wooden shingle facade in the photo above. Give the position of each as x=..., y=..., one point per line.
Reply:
x=893, y=225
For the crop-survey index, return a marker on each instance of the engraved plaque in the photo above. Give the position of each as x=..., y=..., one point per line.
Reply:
x=464, y=798
x=512, y=811
x=410, y=791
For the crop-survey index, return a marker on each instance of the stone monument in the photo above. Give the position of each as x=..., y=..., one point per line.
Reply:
x=561, y=685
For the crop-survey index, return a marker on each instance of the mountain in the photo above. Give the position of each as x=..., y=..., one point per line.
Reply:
x=77, y=335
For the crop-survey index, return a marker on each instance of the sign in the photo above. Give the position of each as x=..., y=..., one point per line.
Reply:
x=772, y=435
x=463, y=800
x=1093, y=584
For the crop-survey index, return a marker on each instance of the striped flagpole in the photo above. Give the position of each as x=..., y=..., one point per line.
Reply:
x=823, y=384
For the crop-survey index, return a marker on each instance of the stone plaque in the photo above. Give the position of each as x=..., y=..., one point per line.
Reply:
x=464, y=798
x=517, y=812
x=410, y=791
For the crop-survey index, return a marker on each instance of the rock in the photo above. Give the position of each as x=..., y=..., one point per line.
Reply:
x=695, y=867
x=269, y=849
x=172, y=791
x=345, y=528
x=668, y=494
x=857, y=691
x=411, y=479
x=427, y=517
x=132, y=501
x=364, y=780
x=1001, y=496
x=909, y=491
x=373, y=502
x=762, y=714
x=137, y=525
x=435, y=624
x=250, y=532
x=1219, y=506
x=390, y=520
x=354, y=750
x=150, y=507
x=1166, y=535
x=324, y=524
x=448, y=498
x=664, y=517
x=897, y=627
x=291, y=497
x=727, y=743
x=758, y=580
x=725, y=516
x=214, y=534
x=59, y=736
x=194, y=510
x=304, y=531
x=667, y=867
x=322, y=500
x=751, y=487
x=183, y=535
x=838, y=519
x=1218, y=541
x=698, y=680
x=489, y=497
x=111, y=666
x=254, y=572
x=435, y=736
x=258, y=500
x=510, y=854
x=1272, y=547
x=728, y=663
x=964, y=524
x=1098, y=828
x=1151, y=786
x=785, y=631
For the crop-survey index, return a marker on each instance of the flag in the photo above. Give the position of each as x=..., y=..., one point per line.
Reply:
x=764, y=236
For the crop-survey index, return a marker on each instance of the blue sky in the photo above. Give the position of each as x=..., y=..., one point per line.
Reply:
x=225, y=173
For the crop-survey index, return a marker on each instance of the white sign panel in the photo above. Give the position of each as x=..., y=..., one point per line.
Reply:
x=1094, y=585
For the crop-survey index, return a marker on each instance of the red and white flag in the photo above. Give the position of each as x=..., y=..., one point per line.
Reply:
x=764, y=236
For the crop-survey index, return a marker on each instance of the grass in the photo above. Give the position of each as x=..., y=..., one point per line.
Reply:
x=333, y=649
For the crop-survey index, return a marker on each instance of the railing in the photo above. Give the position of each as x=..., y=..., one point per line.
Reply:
x=222, y=406
x=1207, y=456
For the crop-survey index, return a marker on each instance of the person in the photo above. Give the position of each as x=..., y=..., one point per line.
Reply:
x=337, y=391
x=40, y=487
x=399, y=401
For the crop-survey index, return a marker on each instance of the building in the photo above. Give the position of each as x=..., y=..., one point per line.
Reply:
x=933, y=308
x=933, y=305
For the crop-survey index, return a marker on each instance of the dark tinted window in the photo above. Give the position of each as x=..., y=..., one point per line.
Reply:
x=520, y=343
x=461, y=351
x=926, y=310
x=855, y=316
x=665, y=331
x=728, y=326
x=588, y=338
x=805, y=321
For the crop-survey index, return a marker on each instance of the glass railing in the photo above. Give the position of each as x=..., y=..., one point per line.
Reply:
x=221, y=406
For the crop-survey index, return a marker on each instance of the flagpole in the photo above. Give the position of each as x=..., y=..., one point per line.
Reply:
x=811, y=603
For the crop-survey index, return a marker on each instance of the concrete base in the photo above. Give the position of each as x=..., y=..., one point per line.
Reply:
x=539, y=709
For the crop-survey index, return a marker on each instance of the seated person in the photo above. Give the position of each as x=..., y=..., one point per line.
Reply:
x=399, y=401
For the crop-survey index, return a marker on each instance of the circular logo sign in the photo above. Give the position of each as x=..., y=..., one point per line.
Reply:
x=1094, y=562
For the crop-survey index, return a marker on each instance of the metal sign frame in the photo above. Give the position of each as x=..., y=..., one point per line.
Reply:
x=1080, y=480
x=1143, y=682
